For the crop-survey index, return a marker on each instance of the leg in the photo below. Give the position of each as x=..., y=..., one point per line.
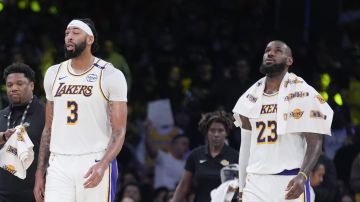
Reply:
x=104, y=191
x=59, y=186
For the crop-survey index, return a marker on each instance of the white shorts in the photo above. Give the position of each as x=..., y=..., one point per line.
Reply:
x=271, y=188
x=65, y=179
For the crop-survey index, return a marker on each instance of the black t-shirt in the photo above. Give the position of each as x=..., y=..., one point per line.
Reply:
x=206, y=169
x=12, y=188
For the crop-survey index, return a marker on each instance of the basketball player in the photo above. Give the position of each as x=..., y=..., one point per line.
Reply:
x=86, y=116
x=282, y=120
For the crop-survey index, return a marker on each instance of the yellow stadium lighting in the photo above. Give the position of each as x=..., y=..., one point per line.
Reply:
x=325, y=95
x=338, y=99
x=22, y=4
x=53, y=10
x=35, y=6
x=1, y=6
x=325, y=80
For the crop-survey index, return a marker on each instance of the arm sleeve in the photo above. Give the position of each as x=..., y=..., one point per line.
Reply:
x=49, y=79
x=114, y=84
x=244, y=156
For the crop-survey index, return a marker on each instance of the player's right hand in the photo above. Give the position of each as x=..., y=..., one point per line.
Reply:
x=295, y=187
x=39, y=187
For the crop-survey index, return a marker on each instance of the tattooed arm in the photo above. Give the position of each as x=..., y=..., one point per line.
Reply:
x=44, y=152
x=118, y=117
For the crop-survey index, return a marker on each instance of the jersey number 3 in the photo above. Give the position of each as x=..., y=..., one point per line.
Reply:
x=73, y=107
x=264, y=136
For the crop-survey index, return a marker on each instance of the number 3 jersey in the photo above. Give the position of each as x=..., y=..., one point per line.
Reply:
x=270, y=153
x=81, y=121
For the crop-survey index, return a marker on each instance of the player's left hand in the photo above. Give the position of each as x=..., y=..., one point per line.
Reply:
x=295, y=187
x=95, y=175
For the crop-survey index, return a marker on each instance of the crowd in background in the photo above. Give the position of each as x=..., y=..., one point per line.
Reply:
x=202, y=55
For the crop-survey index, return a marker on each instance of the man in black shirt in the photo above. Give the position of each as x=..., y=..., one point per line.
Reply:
x=24, y=108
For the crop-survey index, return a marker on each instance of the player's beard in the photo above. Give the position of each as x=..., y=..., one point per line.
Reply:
x=78, y=49
x=272, y=69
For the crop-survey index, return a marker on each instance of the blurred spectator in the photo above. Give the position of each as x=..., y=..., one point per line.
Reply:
x=354, y=93
x=168, y=164
x=316, y=178
x=205, y=162
x=160, y=194
x=132, y=190
x=345, y=156
x=355, y=177
x=327, y=190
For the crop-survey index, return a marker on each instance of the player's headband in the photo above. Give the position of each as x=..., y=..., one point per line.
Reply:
x=82, y=25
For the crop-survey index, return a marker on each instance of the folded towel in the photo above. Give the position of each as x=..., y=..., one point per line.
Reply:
x=17, y=154
x=300, y=108
x=224, y=192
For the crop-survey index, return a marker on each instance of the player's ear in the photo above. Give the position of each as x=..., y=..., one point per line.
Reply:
x=289, y=61
x=90, y=40
x=32, y=86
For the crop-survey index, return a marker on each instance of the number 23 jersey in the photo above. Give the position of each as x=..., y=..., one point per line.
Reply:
x=81, y=122
x=270, y=153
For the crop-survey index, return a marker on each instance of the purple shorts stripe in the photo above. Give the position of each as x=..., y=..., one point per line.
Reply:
x=307, y=191
x=113, y=172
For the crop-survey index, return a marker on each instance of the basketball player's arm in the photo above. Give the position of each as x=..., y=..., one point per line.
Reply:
x=44, y=153
x=244, y=152
x=313, y=150
x=183, y=187
x=118, y=118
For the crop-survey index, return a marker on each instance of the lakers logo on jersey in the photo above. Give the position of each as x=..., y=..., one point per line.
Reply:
x=64, y=89
x=296, y=113
x=10, y=168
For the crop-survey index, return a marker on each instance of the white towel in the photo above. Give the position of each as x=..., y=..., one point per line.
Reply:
x=17, y=154
x=300, y=107
x=225, y=191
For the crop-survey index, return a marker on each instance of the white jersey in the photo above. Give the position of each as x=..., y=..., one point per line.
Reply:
x=81, y=123
x=270, y=153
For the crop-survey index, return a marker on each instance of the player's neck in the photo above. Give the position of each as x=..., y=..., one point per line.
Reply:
x=82, y=63
x=273, y=83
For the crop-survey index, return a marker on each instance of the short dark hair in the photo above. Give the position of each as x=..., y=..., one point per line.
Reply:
x=218, y=116
x=91, y=24
x=19, y=68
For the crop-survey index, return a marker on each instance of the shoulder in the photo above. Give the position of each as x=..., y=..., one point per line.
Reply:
x=56, y=67
x=38, y=102
x=53, y=70
x=230, y=150
x=198, y=151
x=5, y=111
x=109, y=70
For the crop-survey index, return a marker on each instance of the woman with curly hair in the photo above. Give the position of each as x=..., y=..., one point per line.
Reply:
x=205, y=162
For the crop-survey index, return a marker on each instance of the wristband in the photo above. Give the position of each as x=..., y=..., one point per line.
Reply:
x=303, y=174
